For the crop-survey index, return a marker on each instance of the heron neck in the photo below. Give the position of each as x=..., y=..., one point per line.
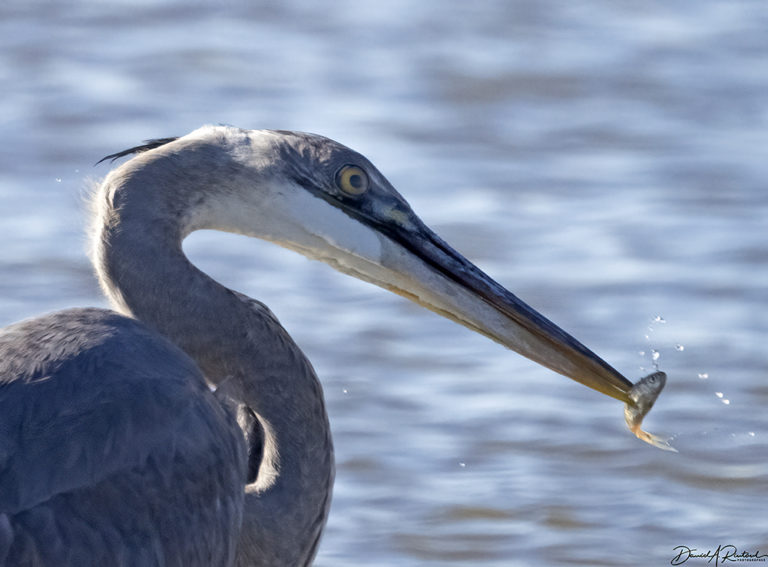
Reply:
x=238, y=343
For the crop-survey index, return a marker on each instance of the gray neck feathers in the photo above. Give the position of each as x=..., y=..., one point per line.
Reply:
x=142, y=213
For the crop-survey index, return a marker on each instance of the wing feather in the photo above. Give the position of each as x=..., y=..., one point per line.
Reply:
x=103, y=422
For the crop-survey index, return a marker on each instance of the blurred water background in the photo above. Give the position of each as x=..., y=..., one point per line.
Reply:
x=606, y=161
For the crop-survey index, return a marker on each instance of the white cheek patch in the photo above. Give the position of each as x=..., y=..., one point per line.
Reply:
x=289, y=215
x=332, y=225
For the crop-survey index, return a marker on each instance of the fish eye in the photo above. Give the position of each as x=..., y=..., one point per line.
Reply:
x=352, y=180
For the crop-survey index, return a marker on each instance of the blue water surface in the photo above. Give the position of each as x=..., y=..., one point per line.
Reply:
x=606, y=161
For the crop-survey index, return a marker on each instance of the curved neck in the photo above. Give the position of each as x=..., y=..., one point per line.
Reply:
x=235, y=341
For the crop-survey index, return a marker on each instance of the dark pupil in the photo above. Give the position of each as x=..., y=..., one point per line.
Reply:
x=356, y=181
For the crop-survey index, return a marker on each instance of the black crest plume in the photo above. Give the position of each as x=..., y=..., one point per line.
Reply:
x=146, y=146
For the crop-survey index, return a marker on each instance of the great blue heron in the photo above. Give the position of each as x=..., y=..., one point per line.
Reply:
x=113, y=448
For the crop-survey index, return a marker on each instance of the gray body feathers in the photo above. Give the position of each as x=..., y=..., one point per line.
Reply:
x=100, y=414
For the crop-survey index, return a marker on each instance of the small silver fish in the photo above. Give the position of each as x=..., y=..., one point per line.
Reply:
x=641, y=399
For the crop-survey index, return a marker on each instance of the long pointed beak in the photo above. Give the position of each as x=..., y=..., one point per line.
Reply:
x=446, y=282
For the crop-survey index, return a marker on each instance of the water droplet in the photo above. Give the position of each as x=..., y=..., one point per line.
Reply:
x=654, y=354
x=751, y=433
x=641, y=352
x=58, y=180
x=719, y=394
x=659, y=319
x=703, y=376
x=463, y=465
x=679, y=348
x=726, y=402
x=345, y=391
x=77, y=171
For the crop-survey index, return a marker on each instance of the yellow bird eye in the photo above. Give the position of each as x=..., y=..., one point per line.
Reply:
x=352, y=180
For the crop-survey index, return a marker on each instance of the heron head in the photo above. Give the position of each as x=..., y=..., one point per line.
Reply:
x=331, y=203
x=328, y=202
